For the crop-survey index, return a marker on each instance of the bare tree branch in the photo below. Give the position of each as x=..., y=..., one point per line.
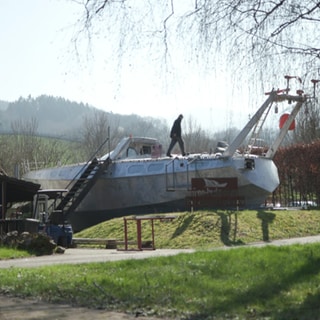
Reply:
x=302, y=15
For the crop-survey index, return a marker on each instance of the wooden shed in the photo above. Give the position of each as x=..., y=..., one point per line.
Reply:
x=15, y=190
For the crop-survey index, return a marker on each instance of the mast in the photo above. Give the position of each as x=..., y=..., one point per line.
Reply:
x=300, y=100
x=229, y=152
x=274, y=96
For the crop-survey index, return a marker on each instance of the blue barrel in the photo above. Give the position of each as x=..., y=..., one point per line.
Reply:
x=54, y=232
x=68, y=232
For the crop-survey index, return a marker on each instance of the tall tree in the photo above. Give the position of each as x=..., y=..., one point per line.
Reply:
x=263, y=36
x=250, y=45
x=308, y=123
x=95, y=133
x=196, y=139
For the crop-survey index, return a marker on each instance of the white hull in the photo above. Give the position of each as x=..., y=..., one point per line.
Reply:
x=140, y=186
x=138, y=180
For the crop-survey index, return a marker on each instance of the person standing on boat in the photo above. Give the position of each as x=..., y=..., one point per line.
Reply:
x=175, y=135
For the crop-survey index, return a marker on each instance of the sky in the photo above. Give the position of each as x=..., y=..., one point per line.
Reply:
x=38, y=57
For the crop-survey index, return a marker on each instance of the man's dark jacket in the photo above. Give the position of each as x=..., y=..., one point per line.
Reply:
x=176, y=129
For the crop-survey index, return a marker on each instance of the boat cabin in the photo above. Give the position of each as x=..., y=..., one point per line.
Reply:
x=136, y=148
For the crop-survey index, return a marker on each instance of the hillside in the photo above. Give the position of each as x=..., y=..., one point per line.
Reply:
x=207, y=229
x=3, y=105
x=59, y=117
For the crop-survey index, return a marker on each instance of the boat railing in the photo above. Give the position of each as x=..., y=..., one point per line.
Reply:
x=173, y=187
x=170, y=171
x=27, y=166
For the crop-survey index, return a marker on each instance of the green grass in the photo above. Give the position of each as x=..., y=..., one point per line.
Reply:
x=244, y=283
x=207, y=229
x=9, y=253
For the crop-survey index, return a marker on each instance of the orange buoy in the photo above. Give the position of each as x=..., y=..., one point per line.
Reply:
x=283, y=120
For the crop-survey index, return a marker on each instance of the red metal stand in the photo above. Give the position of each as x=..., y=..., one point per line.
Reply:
x=138, y=220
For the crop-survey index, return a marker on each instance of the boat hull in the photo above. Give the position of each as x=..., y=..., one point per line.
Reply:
x=134, y=178
x=163, y=185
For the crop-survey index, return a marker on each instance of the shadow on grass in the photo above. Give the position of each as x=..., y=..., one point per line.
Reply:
x=228, y=224
x=267, y=292
x=266, y=219
x=183, y=226
x=309, y=309
x=229, y=228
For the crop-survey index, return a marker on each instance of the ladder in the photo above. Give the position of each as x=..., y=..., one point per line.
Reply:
x=82, y=185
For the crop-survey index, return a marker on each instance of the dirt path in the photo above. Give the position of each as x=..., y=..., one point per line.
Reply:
x=12, y=308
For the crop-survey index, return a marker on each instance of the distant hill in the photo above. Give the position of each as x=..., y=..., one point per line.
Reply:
x=3, y=105
x=59, y=117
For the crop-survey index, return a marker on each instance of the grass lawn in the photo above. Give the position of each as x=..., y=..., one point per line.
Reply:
x=9, y=253
x=242, y=283
x=208, y=229
x=269, y=283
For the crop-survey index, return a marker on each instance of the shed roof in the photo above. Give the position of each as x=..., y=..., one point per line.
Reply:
x=16, y=190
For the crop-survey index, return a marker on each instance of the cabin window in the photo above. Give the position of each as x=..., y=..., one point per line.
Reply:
x=131, y=152
x=145, y=150
x=249, y=164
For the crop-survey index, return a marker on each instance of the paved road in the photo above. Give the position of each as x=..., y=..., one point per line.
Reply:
x=75, y=256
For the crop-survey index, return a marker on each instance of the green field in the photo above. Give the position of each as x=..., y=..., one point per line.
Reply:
x=247, y=283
